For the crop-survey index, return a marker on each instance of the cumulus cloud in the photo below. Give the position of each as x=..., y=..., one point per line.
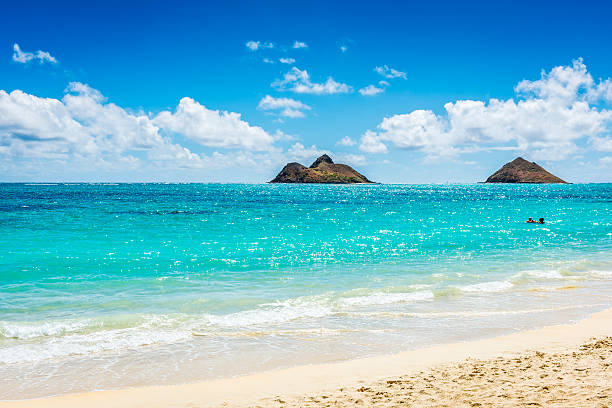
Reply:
x=370, y=143
x=371, y=90
x=212, y=127
x=299, y=152
x=286, y=60
x=299, y=81
x=256, y=45
x=25, y=57
x=84, y=126
x=286, y=107
x=300, y=44
x=603, y=144
x=390, y=72
x=346, y=141
x=354, y=159
x=548, y=118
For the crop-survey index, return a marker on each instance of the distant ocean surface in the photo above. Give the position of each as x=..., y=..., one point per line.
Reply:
x=107, y=286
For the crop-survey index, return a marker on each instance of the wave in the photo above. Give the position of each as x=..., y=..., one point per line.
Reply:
x=36, y=341
x=382, y=298
x=26, y=331
x=474, y=313
x=534, y=276
x=59, y=328
x=280, y=313
x=312, y=307
x=600, y=274
x=91, y=343
x=538, y=275
x=495, y=286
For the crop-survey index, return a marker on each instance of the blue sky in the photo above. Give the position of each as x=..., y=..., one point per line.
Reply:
x=151, y=91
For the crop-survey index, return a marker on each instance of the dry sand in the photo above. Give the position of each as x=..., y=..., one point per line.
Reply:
x=579, y=378
x=557, y=366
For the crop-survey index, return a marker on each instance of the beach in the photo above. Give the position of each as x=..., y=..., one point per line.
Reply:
x=561, y=365
x=125, y=287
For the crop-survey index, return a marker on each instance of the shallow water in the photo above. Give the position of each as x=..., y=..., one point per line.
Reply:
x=105, y=286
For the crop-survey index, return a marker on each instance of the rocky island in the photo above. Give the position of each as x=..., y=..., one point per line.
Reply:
x=520, y=170
x=323, y=170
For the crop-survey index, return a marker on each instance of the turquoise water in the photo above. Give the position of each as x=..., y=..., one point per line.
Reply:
x=168, y=283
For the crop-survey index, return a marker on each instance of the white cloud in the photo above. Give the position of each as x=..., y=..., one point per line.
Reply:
x=285, y=107
x=370, y=143
x=346, y=141
x=299, y=152
x=343, y=48
x=279, y=135
x=603, y=144
x=549, y=116
x=299, y=81
x=212, y=127
x=25, y=57
x=256, y=45
x=352, y=159
x=83, y=127
x=268, y=61
x=371, y=90
x=80, y=125
x=253, y=45
x=286, y=60
x=603, y=91
x=390, y=72
x=300, y=44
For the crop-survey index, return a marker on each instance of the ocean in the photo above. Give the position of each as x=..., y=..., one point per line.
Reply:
x=105, y=286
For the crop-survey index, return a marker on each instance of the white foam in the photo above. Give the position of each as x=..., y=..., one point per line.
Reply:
x=91, y=343
x=496, y=286
x=382, y=298
x=310, y=307
x=274, y=313
x=600, y=273
x=538, y=274
x=545, y=274
x=24, y=331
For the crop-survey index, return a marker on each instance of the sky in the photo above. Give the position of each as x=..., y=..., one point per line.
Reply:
x=405, y=92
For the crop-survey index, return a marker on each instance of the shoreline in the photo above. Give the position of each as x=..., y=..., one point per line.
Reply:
x=295, y=382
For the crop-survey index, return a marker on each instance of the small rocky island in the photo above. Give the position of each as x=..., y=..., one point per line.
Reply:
x=520, y=170
x=323, y=170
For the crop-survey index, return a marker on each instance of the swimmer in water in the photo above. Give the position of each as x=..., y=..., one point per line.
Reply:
x=531, y=221
x=541, y=220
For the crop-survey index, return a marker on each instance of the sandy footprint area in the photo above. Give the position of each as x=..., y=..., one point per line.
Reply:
x=581, y=377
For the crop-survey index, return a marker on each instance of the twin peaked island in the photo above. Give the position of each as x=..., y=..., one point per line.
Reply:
x=325, y=171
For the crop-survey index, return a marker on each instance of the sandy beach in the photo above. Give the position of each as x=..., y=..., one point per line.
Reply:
x=563, y=365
